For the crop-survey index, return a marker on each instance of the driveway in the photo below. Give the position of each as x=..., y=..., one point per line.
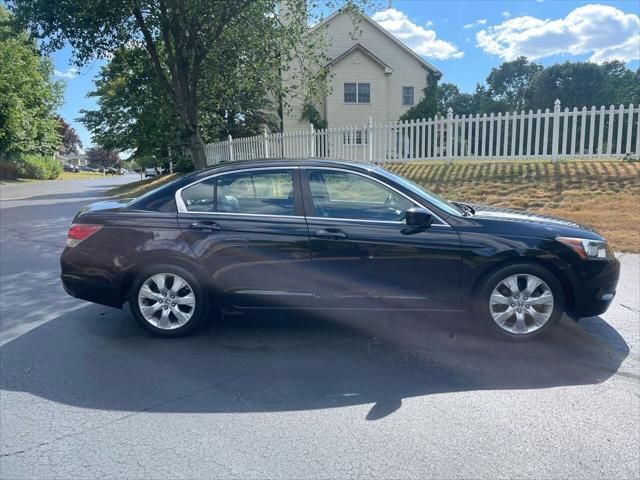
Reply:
x=85, y=393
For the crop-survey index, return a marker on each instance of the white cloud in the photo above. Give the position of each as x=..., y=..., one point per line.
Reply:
x=480, y=21
x=70, y=73
x=602, y=31
x=420, y=39
x=506, y=14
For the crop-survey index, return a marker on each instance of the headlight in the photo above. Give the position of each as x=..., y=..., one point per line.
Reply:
x=586, y=248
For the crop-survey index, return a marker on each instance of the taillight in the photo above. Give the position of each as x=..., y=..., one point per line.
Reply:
x=80, y=231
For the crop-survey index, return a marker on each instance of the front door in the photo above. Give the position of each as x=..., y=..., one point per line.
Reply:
x=363, y=254
x=248, y=231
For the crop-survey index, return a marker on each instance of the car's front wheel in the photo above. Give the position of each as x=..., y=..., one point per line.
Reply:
x=521, y=301
x=168, y=300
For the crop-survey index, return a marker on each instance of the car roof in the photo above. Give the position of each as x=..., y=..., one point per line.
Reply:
x=285, y=162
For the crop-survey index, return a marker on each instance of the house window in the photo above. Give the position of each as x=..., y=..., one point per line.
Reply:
x=407, y=95
x=356, y=137
x=364, y=93
x=350, y=92
x=357, y=93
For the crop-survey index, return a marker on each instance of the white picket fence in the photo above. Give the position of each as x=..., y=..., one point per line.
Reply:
x=553, y=135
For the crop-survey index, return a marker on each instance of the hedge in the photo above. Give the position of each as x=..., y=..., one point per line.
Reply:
x=31, y=166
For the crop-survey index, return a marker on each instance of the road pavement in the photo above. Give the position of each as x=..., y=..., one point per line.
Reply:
x=85, y=393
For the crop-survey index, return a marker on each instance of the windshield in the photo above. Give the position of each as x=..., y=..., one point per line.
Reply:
x=432, y=198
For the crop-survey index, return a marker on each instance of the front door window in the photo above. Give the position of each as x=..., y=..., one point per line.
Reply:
x=347, y=195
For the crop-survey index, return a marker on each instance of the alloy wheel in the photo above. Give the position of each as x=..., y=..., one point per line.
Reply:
x=521, y=304
x=166, y=301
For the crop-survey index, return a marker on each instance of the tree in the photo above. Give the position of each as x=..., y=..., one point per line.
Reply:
x=179, y=36
x=508, y=84
x=427, y=107
x=622, y=82
x=312, y=115
x=102, y=157
x=449, y=96
x=576, y=84
x=70, y=141
x=28, y=97
x=133, y=112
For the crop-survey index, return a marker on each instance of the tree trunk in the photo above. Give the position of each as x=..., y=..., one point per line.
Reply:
x=197, y=151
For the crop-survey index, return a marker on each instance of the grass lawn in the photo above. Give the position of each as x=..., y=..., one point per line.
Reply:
x=63, y=176
x=602, y=194
x=135, y=189
x=80, y=175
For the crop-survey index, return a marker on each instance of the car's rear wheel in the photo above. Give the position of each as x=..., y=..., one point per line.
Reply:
x=521, y=301
x=168, y=300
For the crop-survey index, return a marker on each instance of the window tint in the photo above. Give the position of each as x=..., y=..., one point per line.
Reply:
x=407, y=95
x=346, y=195
x=350, y=95
x=199, y=197
x=258, y=192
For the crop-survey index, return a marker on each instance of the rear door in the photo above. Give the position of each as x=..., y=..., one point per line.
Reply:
x=248, y=231
x=363, y=254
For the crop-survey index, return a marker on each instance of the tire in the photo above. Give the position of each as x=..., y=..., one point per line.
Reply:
x=166, y=315
x=535, y=309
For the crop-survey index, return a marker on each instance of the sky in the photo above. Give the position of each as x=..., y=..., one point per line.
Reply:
x=463, y=39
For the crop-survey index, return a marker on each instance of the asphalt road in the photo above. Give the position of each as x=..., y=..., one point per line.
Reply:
x=85, y=393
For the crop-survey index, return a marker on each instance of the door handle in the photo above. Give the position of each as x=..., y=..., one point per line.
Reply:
x=331, y=233
x=205, y=226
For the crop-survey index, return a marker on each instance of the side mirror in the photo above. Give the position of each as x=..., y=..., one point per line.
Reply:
x=418, y=217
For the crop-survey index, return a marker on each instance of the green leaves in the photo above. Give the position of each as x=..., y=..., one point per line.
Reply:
x=428, y=106
x=28, y=95
x=520, y=85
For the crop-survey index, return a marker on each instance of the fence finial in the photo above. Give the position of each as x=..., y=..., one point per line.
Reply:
x=557, y=103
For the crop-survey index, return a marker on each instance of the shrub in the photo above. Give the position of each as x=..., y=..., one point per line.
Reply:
x=8, y=170
x=38, y=167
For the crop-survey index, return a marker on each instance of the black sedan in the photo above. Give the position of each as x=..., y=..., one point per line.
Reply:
x=312, y=235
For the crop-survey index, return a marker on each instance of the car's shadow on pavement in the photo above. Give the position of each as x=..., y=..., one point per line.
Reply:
x=99, y=358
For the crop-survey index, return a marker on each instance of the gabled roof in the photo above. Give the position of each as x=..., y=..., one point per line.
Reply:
x=357, y=46
x=375, y=24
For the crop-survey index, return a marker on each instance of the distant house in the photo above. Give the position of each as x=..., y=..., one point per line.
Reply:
x=372, y=74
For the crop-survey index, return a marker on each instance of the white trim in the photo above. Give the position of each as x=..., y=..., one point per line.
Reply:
x=421, y=60
x=357, y=46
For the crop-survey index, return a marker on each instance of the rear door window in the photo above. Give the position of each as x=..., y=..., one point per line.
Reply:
x=260, y=192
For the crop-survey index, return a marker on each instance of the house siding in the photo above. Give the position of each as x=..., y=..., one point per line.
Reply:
x=339, y=35
x=338, y=113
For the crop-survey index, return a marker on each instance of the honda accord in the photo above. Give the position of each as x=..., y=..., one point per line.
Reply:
x=316, y=234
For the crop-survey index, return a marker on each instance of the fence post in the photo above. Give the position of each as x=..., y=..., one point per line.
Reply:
x=370, y=139
x=312, y=141
x=449, y=135
x=556, y=130
x=265, y=142
x=230, y=148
